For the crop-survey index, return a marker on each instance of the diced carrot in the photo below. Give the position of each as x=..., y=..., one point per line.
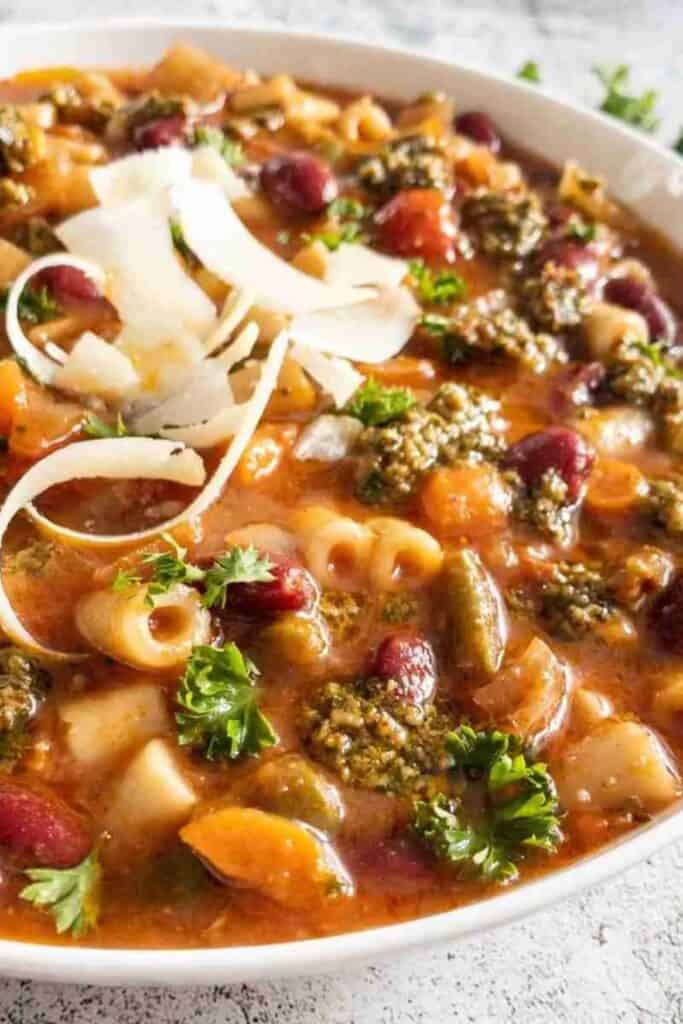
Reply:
x=42, y=422
x=263, y=454
x=282, y=858
x=403, y=371
x=614, y=487
x=12, y=394
x=466, y=500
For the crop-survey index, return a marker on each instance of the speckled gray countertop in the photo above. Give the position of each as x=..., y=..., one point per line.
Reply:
x=612, y=955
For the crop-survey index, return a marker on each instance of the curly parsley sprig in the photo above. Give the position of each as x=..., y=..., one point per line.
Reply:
x=70, y=894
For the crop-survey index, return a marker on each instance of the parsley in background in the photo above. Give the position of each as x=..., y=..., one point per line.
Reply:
x=220, y=712
x=530, y=72
x=36, y=305
x=638, y=111
x=374, y=405
x=71, y=894
x=231, y=151
x=345, y=218
x=93, y=426
x=436, y=287
x=678, y=146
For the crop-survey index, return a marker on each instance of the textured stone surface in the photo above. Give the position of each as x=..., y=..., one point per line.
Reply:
x=611, y=956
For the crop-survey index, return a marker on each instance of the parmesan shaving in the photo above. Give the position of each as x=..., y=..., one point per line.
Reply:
x=353, y=265
x=204, y=394
x=140, y=174
x=96, y=368
x=334, y=375
x=209, y=165
x=38, y=363
x=371, y=331
x=126, y=458
x=223, y=244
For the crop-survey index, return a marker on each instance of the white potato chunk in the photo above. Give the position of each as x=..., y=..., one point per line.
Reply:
x=590, y=708
x=606, y=325
x=621, y=763
x=102, y=726
x=616, y=432
x=151, y=797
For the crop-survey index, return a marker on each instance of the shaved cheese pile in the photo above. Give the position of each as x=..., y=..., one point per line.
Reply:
x=336, y=377
x=40, y=365
x=114, y=459
x=96, y=368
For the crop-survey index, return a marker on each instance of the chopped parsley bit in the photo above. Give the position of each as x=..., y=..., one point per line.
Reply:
x=580, y=231
x=93, y=426
x=434, y=324
x=124, y=581
x=638, y=111
x=169, y=568
x=283, y=237
x=231, y=151
x=239, y=565
x=520, y=807
x=345, y=224
x=529, y=72
x=374, y=405
x=438, y=288
x=36, y=305
x=220, y=710
x=180, y=245
x=70, y=894
x=678, y=145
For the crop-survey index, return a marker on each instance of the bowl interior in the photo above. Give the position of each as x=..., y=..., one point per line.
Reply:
x=640, y=173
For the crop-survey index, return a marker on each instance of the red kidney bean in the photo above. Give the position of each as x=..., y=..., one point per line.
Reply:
x=555, y=448
x=408, y=659
x=164, y=131
x=299, y=181
x=666, y=615
x=640, y=296
x=292, y=589
x=417, y=222
x=67, y=283
x=570, y=254
x=40, y=828
x=577, y=385
x=480, y=128
x=394, y=860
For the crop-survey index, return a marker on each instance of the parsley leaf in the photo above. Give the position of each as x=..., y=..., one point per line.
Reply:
x=124, y=580
x=444, y=286
x=180, y=245
x=678, y=145
x=239, y=565
x=168, y=568
x=520, y=806
x=220, y=710
x=93, y=426
x=70, y=894
x=581, y=231
x=231, y=151
x=36, y=305
x=374, y=405
x=349, y=215
x=638, y=111
x=434, y=324
x=530, y=72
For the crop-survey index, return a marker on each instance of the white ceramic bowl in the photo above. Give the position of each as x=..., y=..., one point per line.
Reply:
x=640, y=173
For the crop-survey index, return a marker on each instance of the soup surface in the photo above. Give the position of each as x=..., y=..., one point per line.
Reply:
x=342, y=512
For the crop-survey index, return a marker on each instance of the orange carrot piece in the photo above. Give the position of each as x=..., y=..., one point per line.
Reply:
x=614, y=487
x=466, y=500
x=12, y=394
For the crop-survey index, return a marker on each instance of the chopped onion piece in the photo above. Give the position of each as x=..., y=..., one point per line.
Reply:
x=96, y=368
x=352, y=265
x=140, y=174
x=223, y=244
x=36, y=362
x=125, y=458
x=371, y=331
x=334, y=375
x=328, y=438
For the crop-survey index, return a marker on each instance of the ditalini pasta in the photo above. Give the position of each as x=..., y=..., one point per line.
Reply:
x=341, y=577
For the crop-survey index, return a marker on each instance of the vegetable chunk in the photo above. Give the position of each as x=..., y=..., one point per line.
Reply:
x=287, y=861
x=151, y=797
x=102, y=726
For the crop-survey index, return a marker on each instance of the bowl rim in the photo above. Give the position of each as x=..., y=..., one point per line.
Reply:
x=210, y=965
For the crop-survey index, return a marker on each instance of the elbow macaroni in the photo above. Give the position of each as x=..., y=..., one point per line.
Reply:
x=126, y=628
x=403, y=556
x=364, y=121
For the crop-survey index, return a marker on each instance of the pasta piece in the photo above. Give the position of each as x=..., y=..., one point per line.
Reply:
x=586, y=191
x=277, y=91
x=336, y=548
x=127, y=628
x=364, y=120
x=264, y=536
x=403, y=556
x=606, y=325
x=151, y=797
x=186, y=70
x=619, y=764
x=102, y=726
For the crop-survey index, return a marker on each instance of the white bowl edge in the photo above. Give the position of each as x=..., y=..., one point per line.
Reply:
x=640, y=172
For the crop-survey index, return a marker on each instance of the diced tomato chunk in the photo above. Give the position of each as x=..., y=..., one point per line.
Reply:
x=417, y=222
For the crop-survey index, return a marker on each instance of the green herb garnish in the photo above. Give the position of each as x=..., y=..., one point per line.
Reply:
x=638, y=111
x=124, y=581
x=349, y=215
x=581, y=231
x=70, y=894
x=374, y=405
x=436, y=288
x=239, y=565
x=169, y=568
x=35, y=306
x=231, y=151
x=678, y=145
x=520, y=811
x=530, y=72
x=220, y=709
x=180, y=245
x=93, y=426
